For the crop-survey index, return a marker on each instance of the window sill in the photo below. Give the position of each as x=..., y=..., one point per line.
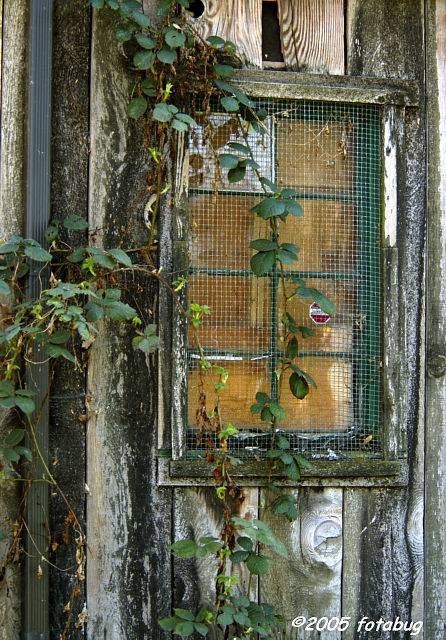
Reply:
x=330, y=473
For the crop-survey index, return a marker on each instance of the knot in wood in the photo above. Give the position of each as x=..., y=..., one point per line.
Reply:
x=436, y=365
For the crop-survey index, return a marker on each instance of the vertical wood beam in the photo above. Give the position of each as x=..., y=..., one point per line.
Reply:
x=14, y=30
x=69, y=195
x=386, y=40
x=128, y=518
x=435, y=465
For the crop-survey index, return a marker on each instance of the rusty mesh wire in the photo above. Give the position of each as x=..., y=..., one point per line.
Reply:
x=330, y=155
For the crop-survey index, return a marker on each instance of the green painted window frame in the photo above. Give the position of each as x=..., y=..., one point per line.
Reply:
x=390, y=469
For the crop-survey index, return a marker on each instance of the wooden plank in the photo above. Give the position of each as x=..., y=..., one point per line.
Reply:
x=239, y=21
x=14, y=21
x=308, y=582
x=197, y=512
x=69, y=195
x=312, y=34
x=129, y=518
x=435, y=491
x=288, y=84
x=385, y=40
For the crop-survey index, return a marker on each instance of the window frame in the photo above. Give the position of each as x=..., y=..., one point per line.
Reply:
x=394, y=96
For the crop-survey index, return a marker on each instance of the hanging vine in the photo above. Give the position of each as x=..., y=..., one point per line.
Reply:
x=178, y=77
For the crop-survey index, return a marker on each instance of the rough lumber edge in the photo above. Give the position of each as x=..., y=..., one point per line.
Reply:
x=12, y=206
x=129, y=518
x=239, y=21
x=385, y=40
x=435, y=475
x=69, y=195
x=308, y=582
x=312, y=35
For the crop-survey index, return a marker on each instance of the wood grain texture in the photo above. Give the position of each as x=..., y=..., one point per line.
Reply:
x=239, y=21
x=69, y=195
x=435, y=491
x=384, y=40
x=128, y=522
x=197, y=512
x=312, y=34
x=308, y=583
x=12, y=206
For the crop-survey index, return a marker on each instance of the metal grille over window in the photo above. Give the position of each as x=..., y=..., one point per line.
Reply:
x=329, y=154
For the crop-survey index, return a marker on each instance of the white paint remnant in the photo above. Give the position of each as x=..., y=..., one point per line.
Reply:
x=390, y=178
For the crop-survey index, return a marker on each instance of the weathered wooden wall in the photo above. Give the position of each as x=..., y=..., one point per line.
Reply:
x=13, y=38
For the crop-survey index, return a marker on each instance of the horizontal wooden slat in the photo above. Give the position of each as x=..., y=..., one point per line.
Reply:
x=286, y=84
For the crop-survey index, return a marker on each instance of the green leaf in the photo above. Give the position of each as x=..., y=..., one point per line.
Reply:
x=216, y=41
x=286, y=257
x=230, y=104
x=245, y=543
x=25, y=404
x=285, y=505
x=236, y=174
x=167, y=56
x=167, y=624
x=263, y=245
x=239, y=147
x=147, y=345
x=256, y=408
x=185, y=117
x=97, y=4
x=144, y=59
x=267, y=183
x=137, y=107
x=289, y=322
x=174, y=38
x=11, y=246
x=4, y=288
x=123, y=34
x=262, y=262
x=25, y=452
x=184, y=614
x=121, y=256
x=163, y=112
x=292, y=471
x=269, y=207
x=239, y=556
x=224, y=70
x=179, y=126
x=306, y=332
x=282, y=442
x=292, y=348
x=277, y=411
x=6, y=389
x=60, y=337
x=225, y=619
x=120, y=311
x=201, y=628
x=304, y=374
x=318, y=297
x=262, y=398
x=303, y=462
x=141, y=19
x=298, y=386
x=38, y=253
x=228, y=160
x=144, y=41
x=148, y=87
x=75, y=223
x=14, y=437
x=56, y=351
x=294, y=208
x=184, y=548
x=184, y=628
x=266, y=415
x=257, y=564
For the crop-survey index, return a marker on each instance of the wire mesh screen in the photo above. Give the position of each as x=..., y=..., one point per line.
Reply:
x=329, y=154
